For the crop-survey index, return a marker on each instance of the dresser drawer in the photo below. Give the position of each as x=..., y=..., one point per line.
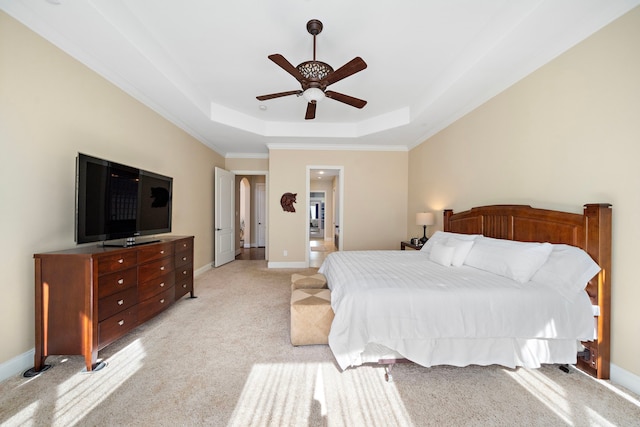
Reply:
x=184, y=280
x=154, y=305
x=155, y=251
x=183, y=258
x=116, y=326
x=118, y=261
x=116, y=282
x=184, y=245
x=154, y=269
x=154, y=286
x=108, y=306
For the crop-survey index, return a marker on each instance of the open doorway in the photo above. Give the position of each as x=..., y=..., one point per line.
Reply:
x=245, y=213
x=251, y=214
x=324, y=189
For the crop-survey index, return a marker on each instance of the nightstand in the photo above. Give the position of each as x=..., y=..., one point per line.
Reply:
x=409, y=245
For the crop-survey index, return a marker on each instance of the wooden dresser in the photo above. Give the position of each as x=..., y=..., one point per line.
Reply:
x=88, y=297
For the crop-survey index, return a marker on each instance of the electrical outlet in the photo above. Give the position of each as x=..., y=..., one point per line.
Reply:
x=285, y=252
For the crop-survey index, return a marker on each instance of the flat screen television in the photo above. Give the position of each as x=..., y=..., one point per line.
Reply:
x=115, y=201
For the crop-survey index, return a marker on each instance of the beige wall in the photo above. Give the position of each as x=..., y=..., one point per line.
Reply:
x=375, y=202
x=246, y=164
x=566, y=135
x=51, y=108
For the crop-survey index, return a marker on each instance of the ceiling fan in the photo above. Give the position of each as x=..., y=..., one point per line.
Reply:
x=314, y=77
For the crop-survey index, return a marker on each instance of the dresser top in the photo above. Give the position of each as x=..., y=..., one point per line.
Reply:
x=97, y=249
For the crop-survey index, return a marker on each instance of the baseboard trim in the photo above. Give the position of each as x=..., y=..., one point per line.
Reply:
x=202, y=270
x=300, y=264
x=17, y=365
x=624, y=378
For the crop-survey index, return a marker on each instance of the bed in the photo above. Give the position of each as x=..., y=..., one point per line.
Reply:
x=504, y=284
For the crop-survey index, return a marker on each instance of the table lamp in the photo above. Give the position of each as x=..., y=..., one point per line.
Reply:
x=424, y=219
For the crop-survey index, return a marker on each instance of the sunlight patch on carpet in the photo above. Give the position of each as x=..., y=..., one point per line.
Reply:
x=555, y=397
x=317, y=394
x=84, y=391
x=94, y=387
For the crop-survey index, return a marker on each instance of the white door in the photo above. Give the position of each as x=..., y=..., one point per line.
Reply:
x=261, y=212
x=224, y=220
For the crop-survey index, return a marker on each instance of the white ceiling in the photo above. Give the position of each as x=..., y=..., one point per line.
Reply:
x=201, y=63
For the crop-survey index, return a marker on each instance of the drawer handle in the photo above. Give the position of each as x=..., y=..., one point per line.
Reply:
x=121, y=260
x=184, y=258
x=184, y=273
x=121, y=322
x=184, y=285
x=162, y=251
x=162, y=301
x=184, y=245
x=162, y=268
x=120, y=281
x=162, y=284
x=120, y=302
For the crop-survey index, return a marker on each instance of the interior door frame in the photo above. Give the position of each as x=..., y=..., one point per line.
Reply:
x=340, y=215
x=266, y=207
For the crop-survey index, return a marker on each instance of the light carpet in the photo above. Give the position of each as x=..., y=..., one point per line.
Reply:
x=224, y=359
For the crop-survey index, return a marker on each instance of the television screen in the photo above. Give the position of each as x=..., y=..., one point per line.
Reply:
x=115, y=201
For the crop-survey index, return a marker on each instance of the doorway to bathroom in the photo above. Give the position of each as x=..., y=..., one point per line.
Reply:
x=324, y=190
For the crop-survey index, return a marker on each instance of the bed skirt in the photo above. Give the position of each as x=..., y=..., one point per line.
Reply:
x=508, y=352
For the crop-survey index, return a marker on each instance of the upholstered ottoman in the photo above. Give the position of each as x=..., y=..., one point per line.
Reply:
x=311, y=316
x=315, y=281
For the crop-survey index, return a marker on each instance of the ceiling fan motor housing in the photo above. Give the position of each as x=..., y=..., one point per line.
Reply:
x=314, y=70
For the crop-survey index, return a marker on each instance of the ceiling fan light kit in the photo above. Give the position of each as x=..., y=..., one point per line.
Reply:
x=313, y=94
x=314, y=77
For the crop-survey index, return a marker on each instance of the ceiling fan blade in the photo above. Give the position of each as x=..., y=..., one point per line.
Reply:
x=278, y=95
x=311, y=111
x=287, y=66
x=355, y=65
x=350, y=100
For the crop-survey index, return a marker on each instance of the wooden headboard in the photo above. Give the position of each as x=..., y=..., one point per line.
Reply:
x=590, y=231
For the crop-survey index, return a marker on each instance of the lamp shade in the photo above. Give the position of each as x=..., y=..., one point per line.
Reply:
x=425, y=218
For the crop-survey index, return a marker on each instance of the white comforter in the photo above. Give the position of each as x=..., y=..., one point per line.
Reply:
x=403, y=301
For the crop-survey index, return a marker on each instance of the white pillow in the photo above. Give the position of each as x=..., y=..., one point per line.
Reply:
x=442, y=254
x=516, y=260
x=568, y=270
x=443, y=236
x=462, y=248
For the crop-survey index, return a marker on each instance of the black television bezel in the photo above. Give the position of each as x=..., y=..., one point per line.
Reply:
x=80, y=199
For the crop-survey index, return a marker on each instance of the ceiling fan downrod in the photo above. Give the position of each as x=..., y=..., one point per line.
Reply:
x=314, y=27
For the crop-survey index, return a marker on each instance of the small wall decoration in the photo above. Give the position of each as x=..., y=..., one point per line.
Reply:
x=287, y=200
